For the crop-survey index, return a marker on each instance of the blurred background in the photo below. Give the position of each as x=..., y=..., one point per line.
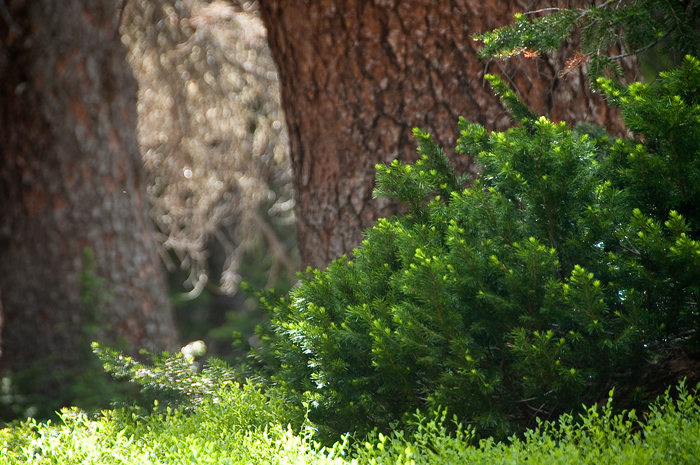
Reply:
x=214, y=142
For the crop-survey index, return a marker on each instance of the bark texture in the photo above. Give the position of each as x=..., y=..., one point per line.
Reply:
x=357, y=76
x=71, y=179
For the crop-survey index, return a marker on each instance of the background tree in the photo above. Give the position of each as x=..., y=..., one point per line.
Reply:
x=358, y=76
x=71, y=180
x=1, y=324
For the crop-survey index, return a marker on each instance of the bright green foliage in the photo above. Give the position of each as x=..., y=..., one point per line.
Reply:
x=631, y=27
x=666, y=172
x=567, y=266
x=230, y=431
x=668, y=434
x=234, y=424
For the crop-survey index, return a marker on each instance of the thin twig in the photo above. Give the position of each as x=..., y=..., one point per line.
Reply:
x=543, y=10
x=639, y=50
x=119, y=20
x=274, y=243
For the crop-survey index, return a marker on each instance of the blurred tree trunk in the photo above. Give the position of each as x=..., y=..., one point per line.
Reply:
x=357, y=76
x=1, y=322
x=71, y=180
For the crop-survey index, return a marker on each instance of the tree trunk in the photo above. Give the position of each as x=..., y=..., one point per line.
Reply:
x=1, y=322
x=71, y=180
x=357, y=76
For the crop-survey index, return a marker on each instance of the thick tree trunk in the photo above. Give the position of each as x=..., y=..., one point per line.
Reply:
x=1, y=322
x=357, y=76
x=70, y=180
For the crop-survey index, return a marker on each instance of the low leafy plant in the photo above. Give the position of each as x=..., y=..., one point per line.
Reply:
x=666, y=434
x=242, y=427
x=562, y=271
x=235, y=424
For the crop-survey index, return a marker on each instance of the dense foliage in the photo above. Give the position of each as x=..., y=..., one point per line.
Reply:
x=562, y=271
x=241, y=425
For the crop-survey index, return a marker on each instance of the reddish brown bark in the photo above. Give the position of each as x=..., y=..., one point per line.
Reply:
x=357, y=76
x=71, y=179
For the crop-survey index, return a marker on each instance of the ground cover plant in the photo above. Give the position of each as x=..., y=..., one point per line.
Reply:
x=240, y=424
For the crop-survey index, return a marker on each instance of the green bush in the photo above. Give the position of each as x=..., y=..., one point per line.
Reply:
x=562, y=271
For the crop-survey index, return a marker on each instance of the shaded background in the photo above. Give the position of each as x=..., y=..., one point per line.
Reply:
x=214, y=141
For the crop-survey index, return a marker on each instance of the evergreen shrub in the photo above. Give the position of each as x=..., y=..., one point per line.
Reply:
x=564, y=269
